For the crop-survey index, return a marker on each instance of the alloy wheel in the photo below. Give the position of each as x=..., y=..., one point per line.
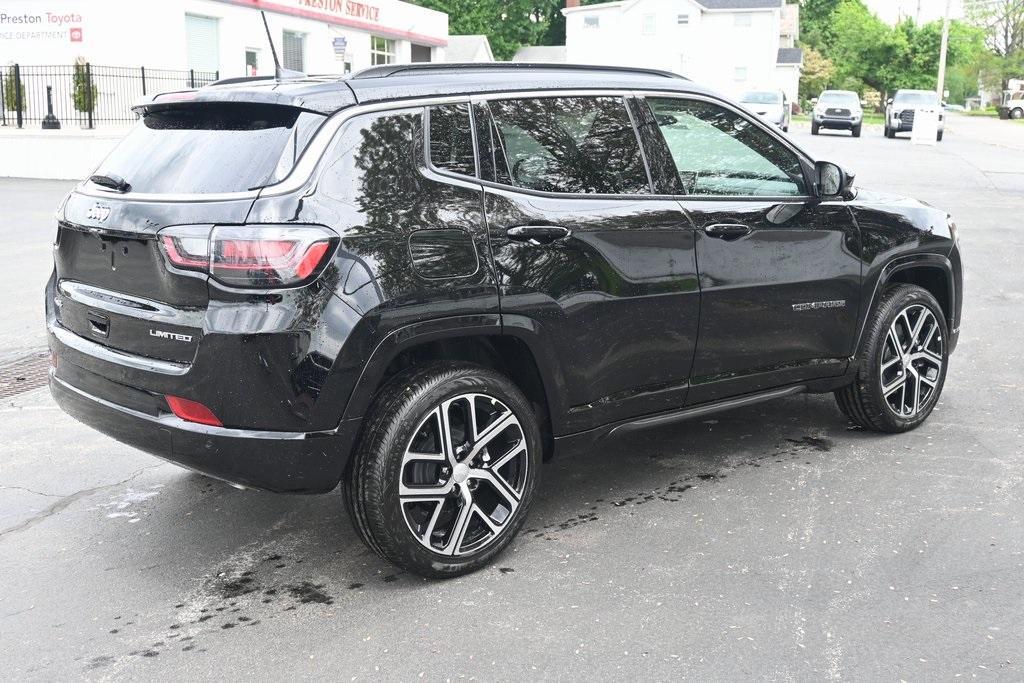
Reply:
x=463, y=474
x=911, y=361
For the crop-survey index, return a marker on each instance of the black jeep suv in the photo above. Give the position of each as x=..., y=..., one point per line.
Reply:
x=420, y=281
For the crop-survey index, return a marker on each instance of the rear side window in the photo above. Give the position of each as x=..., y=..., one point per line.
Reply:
x=580, y=145
x=451, y=139
x=210, y=148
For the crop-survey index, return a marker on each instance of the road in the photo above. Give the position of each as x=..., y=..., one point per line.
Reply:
x=770, y=542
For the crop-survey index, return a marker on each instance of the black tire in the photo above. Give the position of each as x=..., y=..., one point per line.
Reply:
x=856, y=131
x=814, y=128
x=1017, y=113
x=399, y=413
x=890, y=133
x=863, y=401
x=938, y=136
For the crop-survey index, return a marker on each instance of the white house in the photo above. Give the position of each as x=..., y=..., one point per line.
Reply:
x=464, y=49
x=729, y=45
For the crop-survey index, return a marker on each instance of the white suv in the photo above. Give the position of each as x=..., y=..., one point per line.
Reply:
x=838, y=109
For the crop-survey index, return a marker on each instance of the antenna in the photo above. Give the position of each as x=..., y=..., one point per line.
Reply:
x=279, y=73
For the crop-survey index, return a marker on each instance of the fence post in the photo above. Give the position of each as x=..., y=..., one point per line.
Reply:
x=88, y=91
x=143, y=70
x=192, y=78
x=3, y=100
x=18, y=104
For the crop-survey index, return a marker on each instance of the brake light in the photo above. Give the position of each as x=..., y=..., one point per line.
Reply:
x=192, y=411
x=254, y=256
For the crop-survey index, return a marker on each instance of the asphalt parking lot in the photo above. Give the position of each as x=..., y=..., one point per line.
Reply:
x=772, y=542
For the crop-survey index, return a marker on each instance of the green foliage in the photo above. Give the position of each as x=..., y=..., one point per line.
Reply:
x=867, y=52
x=85, y=100
x=10, y=94
x=508, y=24
x=817, y=74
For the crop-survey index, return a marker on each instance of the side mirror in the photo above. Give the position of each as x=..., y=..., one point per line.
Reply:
x=814, y=100
x=863, y=103
x=832, y=181
x=889, y=101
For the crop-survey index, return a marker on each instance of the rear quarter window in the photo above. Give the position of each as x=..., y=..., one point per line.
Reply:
x=211, y=148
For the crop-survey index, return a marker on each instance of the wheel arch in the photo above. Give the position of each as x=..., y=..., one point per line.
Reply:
x=515, y=350
x=932, y=272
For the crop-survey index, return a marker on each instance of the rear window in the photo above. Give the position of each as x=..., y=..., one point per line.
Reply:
x=761, y=97
x=210, y=148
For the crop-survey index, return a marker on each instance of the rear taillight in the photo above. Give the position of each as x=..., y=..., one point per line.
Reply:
x=251, y=256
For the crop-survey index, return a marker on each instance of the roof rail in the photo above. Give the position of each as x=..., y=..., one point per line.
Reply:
x=241, y=79
x=392, y=69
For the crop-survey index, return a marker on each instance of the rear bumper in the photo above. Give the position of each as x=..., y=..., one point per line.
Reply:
x=285, y=462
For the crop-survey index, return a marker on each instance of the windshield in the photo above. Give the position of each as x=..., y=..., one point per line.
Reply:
x=761, y=97
x=841, y=99
x=204, y=148
x=916, y=99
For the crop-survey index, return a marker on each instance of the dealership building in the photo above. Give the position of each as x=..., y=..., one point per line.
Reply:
x=225, y=37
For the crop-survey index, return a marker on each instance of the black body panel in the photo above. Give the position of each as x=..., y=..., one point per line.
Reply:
x=631, y=315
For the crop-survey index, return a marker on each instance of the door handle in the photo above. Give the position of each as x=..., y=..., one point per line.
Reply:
x=727, y=231
x=537, y=234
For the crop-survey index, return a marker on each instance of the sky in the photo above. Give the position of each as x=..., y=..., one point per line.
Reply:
x=923, y=11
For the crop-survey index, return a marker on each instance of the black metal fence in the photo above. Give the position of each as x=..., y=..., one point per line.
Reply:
x=84, y=95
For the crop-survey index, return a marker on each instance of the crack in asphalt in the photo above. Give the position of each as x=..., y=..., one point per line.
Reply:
x=68, y=500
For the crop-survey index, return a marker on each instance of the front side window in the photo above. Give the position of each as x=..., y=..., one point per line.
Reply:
x=202, y=44
x=718, y=152
x=742, y=19
x=451, y=139
x=581, y=145
x=591, y=21
x=382, y=51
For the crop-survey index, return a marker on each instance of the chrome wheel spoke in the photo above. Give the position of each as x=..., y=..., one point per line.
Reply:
x=454, y=499
x=910, y=376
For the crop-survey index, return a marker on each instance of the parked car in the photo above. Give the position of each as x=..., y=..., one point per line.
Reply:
x=771, y=105
x=837, y=110
x=421, y=281
x=1013, y=105
x=902, y=107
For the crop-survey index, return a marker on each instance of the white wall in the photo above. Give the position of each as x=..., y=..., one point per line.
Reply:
x=709, y=49
x=152, y=33
x=69, y=153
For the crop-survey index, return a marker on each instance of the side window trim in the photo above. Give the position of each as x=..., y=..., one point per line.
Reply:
x=659, y=138
x=429, y=163
x=483, y=101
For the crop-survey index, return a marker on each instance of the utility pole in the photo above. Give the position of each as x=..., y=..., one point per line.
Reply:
x=941, y=86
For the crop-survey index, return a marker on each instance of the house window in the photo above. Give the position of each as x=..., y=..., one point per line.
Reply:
x=202, y=43
x=647, y=28
x=683, y=19
x=293, y=51
x=740, y=73
x=591, y=21
x=252, y=61
x=742, y=19
x=382, y=51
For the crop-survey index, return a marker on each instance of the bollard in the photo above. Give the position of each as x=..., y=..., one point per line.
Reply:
x=50, y=121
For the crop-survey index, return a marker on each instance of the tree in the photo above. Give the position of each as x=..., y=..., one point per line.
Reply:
x=1002, y=21
x=508, y=24
x=10, y=93
x=817, y=74
x=83, y=89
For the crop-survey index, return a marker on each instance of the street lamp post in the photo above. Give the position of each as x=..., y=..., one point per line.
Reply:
x=941, y=85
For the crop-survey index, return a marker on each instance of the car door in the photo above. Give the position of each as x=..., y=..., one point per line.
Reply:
x=779, y=269
x=587, y=255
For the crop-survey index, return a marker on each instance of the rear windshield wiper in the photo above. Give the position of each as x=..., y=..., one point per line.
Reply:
x=114, y=182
